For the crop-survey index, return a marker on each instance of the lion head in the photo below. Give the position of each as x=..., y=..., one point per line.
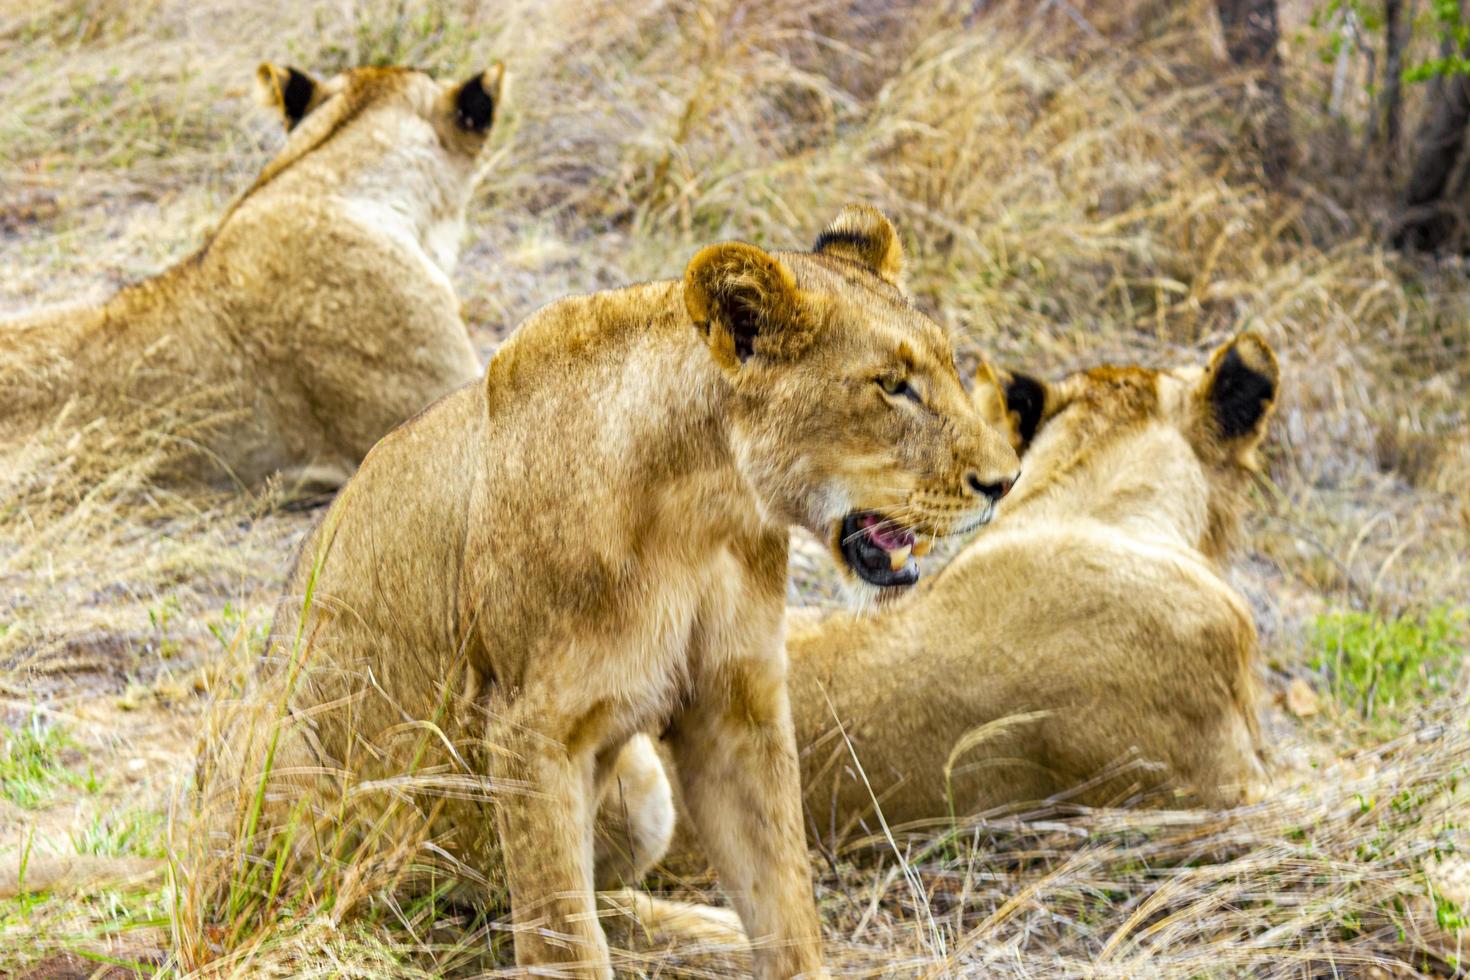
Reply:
x=384, y=125
x=1172, y=447
x=848, y=416
x=459, y=112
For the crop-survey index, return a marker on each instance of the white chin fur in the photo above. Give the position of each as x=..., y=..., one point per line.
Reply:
x=861, y=597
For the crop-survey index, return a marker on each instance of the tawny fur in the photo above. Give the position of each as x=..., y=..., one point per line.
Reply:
x=1090, y=626
x=592, y=544
x=317, y=316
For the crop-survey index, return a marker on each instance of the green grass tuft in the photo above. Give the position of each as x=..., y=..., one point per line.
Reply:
x=1384, y=668
x=122, y=833
x=32, y=767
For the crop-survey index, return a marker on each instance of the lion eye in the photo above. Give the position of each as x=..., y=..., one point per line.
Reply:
x=896, y=387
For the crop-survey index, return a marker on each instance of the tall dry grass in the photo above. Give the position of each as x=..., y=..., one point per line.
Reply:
x=1064, y=198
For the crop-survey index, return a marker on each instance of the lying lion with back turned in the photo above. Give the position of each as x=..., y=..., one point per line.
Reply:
x=316, y=317
x=1088, y=626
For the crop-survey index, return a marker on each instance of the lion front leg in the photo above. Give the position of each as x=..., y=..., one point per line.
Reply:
x=735, y=754
x=543, y=808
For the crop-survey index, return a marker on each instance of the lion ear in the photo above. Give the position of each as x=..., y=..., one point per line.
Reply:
x=746, y=303
x=1238, y=392
x=1014, y=403
x=290, y=91
x=475, y=99
x=863, y=235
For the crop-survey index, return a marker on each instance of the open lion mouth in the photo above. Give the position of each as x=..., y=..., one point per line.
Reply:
x=880, y=552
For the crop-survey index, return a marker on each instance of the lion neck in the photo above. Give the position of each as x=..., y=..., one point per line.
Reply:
x=665, y=414
x=419, y=189
x=388, y=171
x=1146, y=482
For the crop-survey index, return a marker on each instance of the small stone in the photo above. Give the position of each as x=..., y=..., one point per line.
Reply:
x=1301, y=700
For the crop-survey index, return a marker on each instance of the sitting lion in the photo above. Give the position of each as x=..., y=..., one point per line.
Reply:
x=1088, y=627
x=591, y=545
x=316, y=317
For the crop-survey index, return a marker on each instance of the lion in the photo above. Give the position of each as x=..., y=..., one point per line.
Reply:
x=523, y=583
x=1089, y=626
x=317, y=316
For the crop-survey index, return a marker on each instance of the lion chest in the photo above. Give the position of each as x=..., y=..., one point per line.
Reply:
x=623, y=656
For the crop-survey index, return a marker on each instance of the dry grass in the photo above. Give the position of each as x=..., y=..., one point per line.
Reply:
x=1065, y=199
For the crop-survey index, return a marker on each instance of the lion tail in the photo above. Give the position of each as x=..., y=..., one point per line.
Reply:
x=667, y=919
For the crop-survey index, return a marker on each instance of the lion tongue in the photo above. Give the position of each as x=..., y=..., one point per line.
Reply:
x=897, y=542
x=889, y=538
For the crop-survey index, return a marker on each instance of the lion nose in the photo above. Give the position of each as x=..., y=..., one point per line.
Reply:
x=994, y=491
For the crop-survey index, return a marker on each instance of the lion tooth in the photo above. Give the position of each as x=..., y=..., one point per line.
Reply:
x=900, y=557
x=922, y=546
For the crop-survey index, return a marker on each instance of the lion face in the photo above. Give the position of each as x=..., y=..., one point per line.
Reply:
x=848, y=416
x=459, y=113
x=1177, y=444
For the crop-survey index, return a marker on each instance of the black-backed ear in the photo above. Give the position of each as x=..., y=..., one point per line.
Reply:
x=1011, y=402
x=476, y=98
x=745, y=302
x=290, y=91
x=1239, y=390
x=863, y=235
x=1026, y=404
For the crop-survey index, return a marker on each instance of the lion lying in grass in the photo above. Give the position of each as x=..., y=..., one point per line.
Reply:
x=316, y=317
x=591, y=545
x=1090, y=625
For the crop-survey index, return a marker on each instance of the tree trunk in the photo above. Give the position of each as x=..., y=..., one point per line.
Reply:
x=1425, y=223
x=1251, y=35
x=1391, y=104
